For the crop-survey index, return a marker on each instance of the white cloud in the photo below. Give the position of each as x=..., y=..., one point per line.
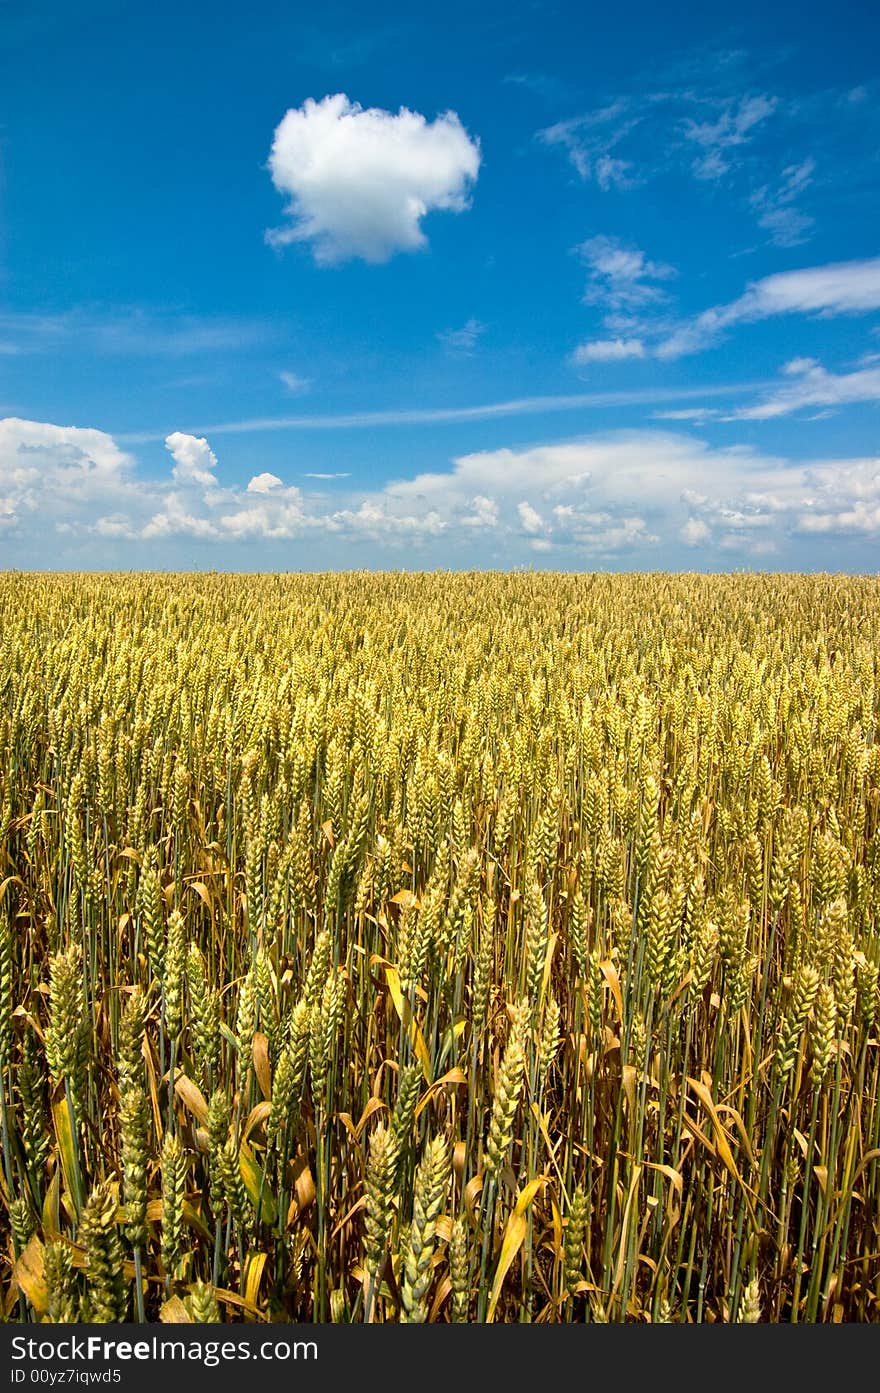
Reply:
x=295, y=383
x=172, y=520
x=703, y=121
x=787, y=226
x=607, y=351
x=712, y=165
x=374, y=520
x=795, y=366
x=733, y=127
x=462, y=341
x=264, y=483
x=686, y=413
x=605, y=496
x=632, y=489
x=273, y=521
x=194, y=460
x=359, y=181
x=621, y=276
x=812, y=386
x=862, y=518
x=614, y=173
x=695, y=531
x=485, y=513
x=486, y=411
x=63, y=470
x=588, y=140
x=530, y=518
x=128, y=331
x=844, y=287
x=785, y=223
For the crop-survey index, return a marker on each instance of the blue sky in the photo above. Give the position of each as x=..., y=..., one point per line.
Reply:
x=488, y=285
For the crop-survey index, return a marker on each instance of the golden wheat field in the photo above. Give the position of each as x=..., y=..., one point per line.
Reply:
x=450, y=947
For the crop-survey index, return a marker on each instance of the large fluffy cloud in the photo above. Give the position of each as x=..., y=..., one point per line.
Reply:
x=613, y=497
x=65, y=470
x=359, y=181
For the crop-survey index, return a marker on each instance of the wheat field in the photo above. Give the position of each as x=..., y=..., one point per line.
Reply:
x=449, y=947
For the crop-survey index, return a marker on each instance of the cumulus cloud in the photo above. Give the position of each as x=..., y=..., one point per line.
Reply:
x=530, y=518
x=264, y=483
x=614, y=496
x=485, y=513
x=628, y=491
x=194, y=460
x=377, y=522
x=172, y=520
x=695, y=531
x=68, y=470
x=279, y=521
x=359, y=181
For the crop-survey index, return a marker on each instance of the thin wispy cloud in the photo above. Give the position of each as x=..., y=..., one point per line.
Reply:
x=696, y=414
x=842, y=288
x=461, y=342
x=787, y=225
x=414, y=416
x=624, y=282
x=131, y=332
x=732, y=128
x=703, y=118
x=294, y=382
x=809, y=387
x=607, y=351
x=620, y=276
x=638, y=135
x=589, y=139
